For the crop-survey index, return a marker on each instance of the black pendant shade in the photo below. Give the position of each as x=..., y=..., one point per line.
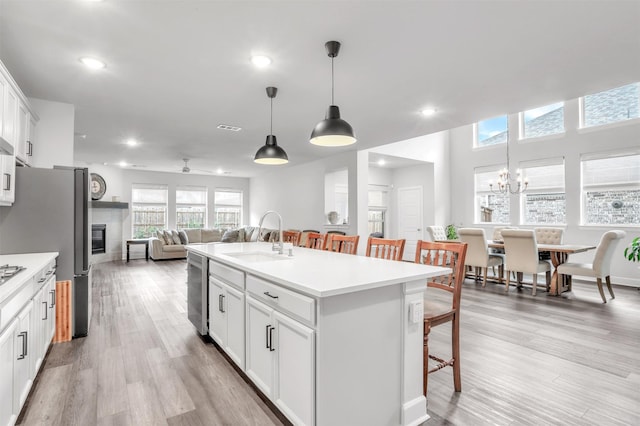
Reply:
x=333, y=130
x=271, y=153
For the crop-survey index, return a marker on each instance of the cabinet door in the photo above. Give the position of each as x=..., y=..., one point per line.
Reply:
x=22, y=342
x=4, y=86
x=21, y=134
x=39, y=316
x=7, y=413
x=217, y=317
x=234, y=306
x=8, y=190
x=31, y=137
x=51, y=317
x=294, y=371
x=259, y=332
x=10, y=116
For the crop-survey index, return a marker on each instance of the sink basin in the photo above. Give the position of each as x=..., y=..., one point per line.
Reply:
x=257, y=256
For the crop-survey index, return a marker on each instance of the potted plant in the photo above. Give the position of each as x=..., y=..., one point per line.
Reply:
x=452, y=233
x=632, y=253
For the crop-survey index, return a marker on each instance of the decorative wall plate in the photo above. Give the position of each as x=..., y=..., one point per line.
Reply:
x=98, y=186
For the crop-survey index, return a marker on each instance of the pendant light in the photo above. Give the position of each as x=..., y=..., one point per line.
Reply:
x=271, y=153
x=333, y=131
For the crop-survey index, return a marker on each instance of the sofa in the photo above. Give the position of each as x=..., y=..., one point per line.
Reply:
x=170, y=244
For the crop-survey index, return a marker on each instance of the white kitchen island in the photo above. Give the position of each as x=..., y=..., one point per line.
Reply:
x=331, y=339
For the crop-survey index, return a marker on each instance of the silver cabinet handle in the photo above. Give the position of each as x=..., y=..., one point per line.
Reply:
x=7, y=185
x=46, y=312
x=266, y=293
x=24, y=336
x=29, y=149
x=53, y=298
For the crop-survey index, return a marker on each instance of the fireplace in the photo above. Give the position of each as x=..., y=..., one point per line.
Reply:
x=98, y=238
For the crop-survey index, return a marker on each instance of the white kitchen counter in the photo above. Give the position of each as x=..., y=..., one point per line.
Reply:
x=33, y=262
x=318, y=273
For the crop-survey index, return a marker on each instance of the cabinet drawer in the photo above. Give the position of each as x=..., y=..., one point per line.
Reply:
x=230, y=275
x=282, y=299
x=13, y=305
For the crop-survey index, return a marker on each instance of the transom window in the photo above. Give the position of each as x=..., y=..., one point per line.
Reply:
x=610, y=106
x=544, y=202
x=149, y=209
x=611, y=190
x=191, y=207
x=542, y=121
x=227, y=209
x=492, y=131
x=490, y=207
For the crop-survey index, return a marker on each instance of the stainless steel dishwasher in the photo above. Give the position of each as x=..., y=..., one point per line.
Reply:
x=197, y=291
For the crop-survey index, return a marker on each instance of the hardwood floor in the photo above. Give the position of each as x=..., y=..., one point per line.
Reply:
x=525, y=360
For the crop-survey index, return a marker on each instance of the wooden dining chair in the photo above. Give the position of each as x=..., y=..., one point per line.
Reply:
x=292, y=237
x=315, y=240
x=449, y=255
x=521, y=256
x=342, y=243
x=601, y=266
x=384, y=248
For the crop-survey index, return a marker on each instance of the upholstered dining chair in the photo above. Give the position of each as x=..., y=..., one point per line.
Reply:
x=601, y=266
x=437, y=233
x=548, y=236
x=521, y=255
x=384, y=248
x=478, y=255
x=291, y=236
x=342, y=243
x=449, y=255
x=315, y=240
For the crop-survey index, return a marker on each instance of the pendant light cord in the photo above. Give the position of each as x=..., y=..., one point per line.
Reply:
x=271, y=126
x=332, y=101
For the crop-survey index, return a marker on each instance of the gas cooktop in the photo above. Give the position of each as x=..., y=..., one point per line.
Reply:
x=8, y=271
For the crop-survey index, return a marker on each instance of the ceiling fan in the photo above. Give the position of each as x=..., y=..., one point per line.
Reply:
x=187, y=169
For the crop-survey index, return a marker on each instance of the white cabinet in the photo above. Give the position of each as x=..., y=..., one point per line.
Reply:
x=226, y=319
x=9, y=121
x=22, y=349
x=280, y=360
x=8, y=189
x=43, y=319
x=31, y=138
x=7, y=414
x=20, y=144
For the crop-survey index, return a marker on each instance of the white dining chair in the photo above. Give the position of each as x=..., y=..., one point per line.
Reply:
x=521, y=253
x=601, y=266
x=478, y=255
x=437, y=233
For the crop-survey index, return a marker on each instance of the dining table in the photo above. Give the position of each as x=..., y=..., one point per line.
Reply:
x=559, y=255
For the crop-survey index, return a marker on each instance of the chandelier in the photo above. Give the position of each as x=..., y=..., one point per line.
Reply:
x=507, y=184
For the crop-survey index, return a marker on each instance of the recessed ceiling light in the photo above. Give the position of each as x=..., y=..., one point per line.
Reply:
x=261, y=61
x=132, y=142
x=92, y=63
x=123, y=164
x=80, y=135
x=428, y=112
x=381, y=162
x=220, y=171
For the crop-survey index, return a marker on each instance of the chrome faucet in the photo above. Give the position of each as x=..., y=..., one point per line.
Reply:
x=280, y=242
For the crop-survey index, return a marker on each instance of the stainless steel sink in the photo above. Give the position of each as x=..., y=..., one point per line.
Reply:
x=257, y=256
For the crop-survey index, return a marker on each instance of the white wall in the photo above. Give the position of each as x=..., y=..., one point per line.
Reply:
x=297, y=193
x=571, y=145
x=119, y=182
x=54, y=133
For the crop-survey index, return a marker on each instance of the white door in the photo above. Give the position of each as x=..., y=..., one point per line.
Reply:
x=7, y=413
x=259, y=345
x=22, y=347
x=39, y=318
x=410, y=217
x=51, y=317
x=294, y=344
x=217, y=317
x=235, y=325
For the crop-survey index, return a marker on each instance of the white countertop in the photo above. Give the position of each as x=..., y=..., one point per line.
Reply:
x=33, y=262
x=319, y=273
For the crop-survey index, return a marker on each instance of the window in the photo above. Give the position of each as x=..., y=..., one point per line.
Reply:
x=611, y=190
x=149, y=207
x=490, y=207
x=191, y=207
x=544, y=202
x=227, y=209
x=610, y=106
x=543, y=121
x=492, y=131
x=377, y=210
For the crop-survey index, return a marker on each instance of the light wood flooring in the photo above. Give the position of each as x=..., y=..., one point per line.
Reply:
x=525, y=360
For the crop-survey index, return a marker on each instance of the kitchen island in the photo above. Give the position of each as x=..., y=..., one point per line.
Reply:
x=329, y=338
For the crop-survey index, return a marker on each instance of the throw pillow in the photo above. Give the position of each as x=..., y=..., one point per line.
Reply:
x=175, y=237
x=160, y=236
x=183, y=237
x=230, y=236
x=241, y=235
x=167, y=237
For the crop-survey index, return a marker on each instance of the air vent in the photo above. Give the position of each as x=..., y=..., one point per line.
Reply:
x=227, y=127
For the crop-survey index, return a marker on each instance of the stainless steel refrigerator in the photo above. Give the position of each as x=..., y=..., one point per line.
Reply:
x=51, y=213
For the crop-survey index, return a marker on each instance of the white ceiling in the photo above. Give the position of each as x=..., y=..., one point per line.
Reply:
x=177, y=69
